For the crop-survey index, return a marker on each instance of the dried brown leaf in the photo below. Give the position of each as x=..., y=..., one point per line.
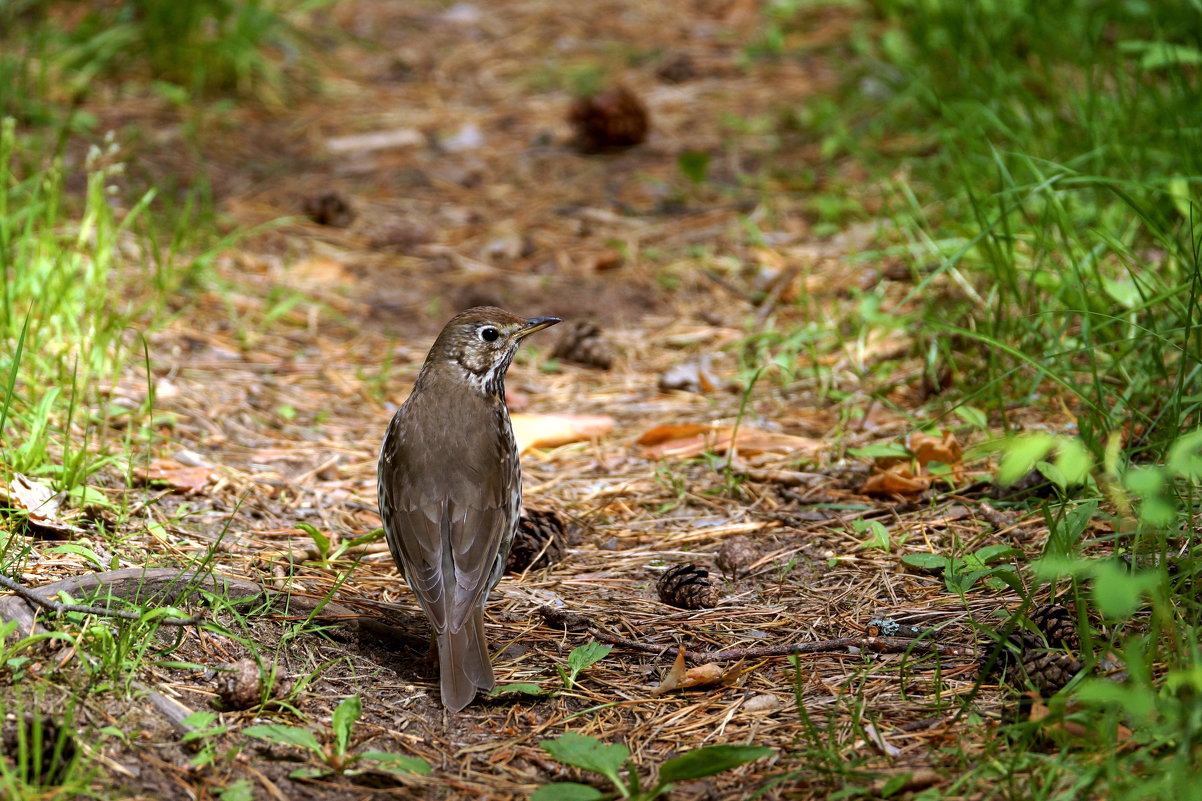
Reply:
x=898, y=479
x=685, y=441
x=187, y=479
x=927, y=448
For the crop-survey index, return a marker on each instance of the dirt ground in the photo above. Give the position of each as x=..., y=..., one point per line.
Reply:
x=279, y=383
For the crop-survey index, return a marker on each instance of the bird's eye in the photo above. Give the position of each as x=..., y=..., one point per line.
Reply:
x=488, y=333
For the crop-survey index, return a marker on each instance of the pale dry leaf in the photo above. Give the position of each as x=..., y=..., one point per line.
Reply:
x=672, y=678
x=318, y=271
x=553, y=430
x=41, y=503
x=35, y=497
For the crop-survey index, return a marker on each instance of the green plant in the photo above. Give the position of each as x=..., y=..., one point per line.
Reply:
x=323, y=543
x=580, y=658
x=612, y=760
x=41, y=760
x=202, y=735
x=961, y=573
x=336, y=757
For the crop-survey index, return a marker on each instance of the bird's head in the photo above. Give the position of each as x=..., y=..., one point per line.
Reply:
x=481, y=342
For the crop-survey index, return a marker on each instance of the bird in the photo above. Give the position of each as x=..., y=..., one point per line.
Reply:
x=450, y=488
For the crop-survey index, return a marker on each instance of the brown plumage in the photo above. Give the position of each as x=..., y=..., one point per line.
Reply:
x=450, y=487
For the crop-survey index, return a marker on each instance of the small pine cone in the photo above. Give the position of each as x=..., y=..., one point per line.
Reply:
x=1058, y=625
x=1049, y=671
x=677, y=69
x=238, y=685
x=610, y=120
x=329, y=208
x=735, y=555
x=537, y=543
x=583, y=343
x=687, y=587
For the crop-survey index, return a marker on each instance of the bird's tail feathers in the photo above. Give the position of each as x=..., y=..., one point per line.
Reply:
x=464, y=667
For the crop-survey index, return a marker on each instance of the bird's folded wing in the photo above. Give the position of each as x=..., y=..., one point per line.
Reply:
x=449, y=553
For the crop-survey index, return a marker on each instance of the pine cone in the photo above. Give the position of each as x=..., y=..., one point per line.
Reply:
x=1049, y=671
x=677, y=69
x=238, y=686
x=329, y=208
x=610, y=120
x=582, y=343
x=1058, y=625
x=537, y=543
x=687, y=587
x=735, y=555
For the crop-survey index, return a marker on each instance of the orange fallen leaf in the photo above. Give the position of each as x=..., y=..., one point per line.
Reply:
x=693, y=440
x=927, y=448
x=553, y=430
x=896, y=480
x=188, y=479
x=708, y=675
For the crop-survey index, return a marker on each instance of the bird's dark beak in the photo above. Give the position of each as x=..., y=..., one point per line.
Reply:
x=536, y=324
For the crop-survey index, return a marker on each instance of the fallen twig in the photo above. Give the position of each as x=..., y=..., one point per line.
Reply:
x=31, y=595
x=170, y=586
x=879, y=645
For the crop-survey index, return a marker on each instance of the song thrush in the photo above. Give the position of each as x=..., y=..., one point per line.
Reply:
x=450, y=487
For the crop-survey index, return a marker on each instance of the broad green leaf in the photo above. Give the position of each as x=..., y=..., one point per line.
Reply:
x=566, y=791
x=239, y=790
x=1144, y=481
x=895, y=783
x=973, y=416
x=397, y=763
x=709, y=761
x=588, y=753
x=1157, y=512
x=1001, y=578
x=1020, y=455
x=84, y=496
x=86, y=553
x=309, y=772
x=930, y=562
x=524, y=688
x=320, y=540
x=1137, y=702
x=993, y=553
x=1074, y=462
x=285, y=735
x=1185, y=456
x=693, y=165
x=1178, y=190
x=1116, y=591
x=880, y=450
x=1050, y=568
x=587, y=654
x=198, y=724
x=343, y=720
x=878, y=537
x=1052, y=473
